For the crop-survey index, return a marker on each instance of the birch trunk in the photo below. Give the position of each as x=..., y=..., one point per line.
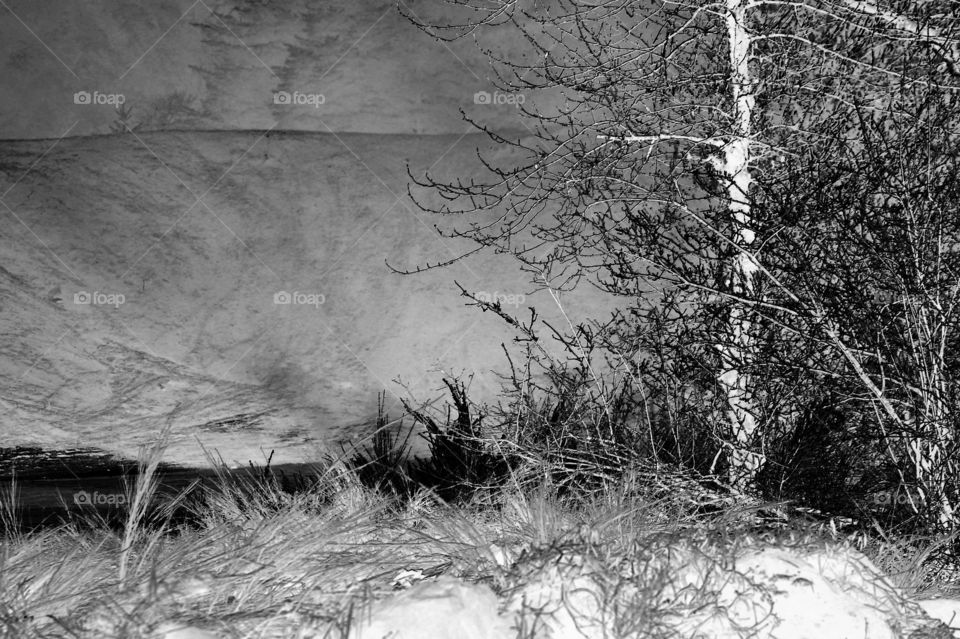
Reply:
x=733, y=163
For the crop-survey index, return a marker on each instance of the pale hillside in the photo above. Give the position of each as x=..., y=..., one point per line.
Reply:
x=198, y=336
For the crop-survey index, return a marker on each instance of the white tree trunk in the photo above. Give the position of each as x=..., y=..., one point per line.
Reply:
x=733, y=163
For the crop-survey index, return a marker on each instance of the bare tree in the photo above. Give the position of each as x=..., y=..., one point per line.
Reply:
x=873, y=218
x=646, y=172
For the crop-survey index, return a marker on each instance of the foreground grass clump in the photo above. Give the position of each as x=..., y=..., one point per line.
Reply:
x=264, y=558
x=302, y=564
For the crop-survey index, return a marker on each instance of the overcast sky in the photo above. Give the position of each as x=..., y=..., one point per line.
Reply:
x=72, y=68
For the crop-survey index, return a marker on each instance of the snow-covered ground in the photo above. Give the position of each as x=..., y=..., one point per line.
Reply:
x=140, y=270
x=144, y=281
